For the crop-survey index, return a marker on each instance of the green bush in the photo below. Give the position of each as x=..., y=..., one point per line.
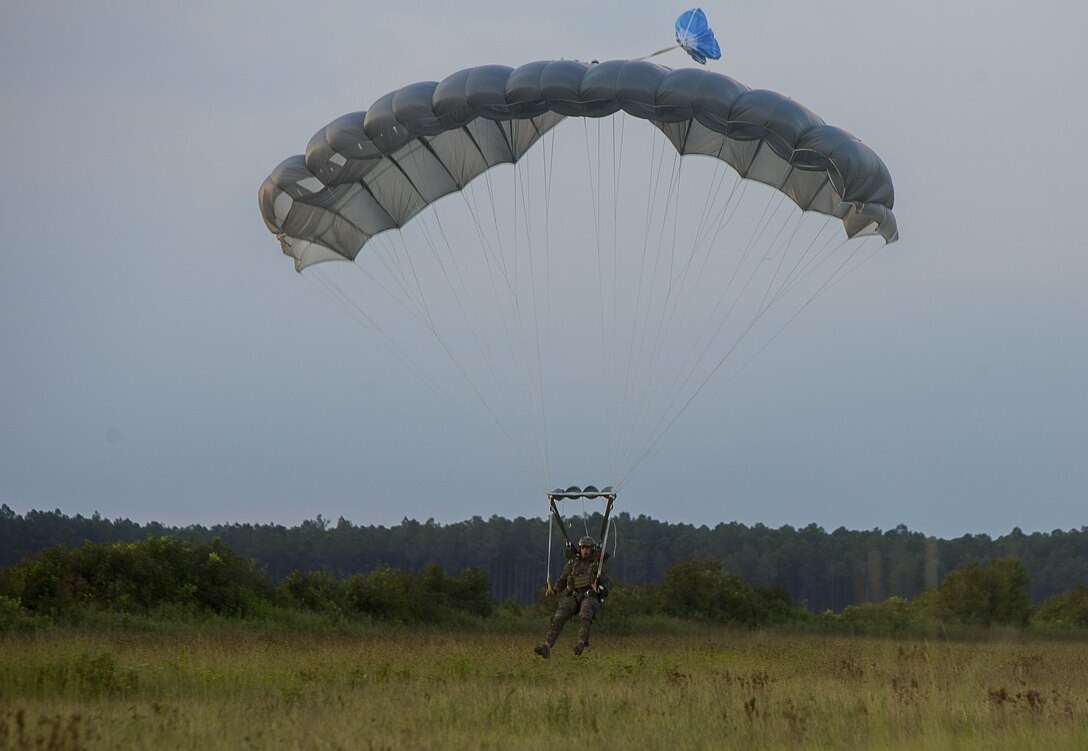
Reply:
x=995, y=594
x=472, y=593
x=14, y=617
x=137, y=577
x=386, y=594
x=1067, y=610
x=431, y=596
x=893, y=617
x=313, y=591
x=702, y=589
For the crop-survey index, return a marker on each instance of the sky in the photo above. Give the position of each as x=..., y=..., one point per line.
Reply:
x=161, y=360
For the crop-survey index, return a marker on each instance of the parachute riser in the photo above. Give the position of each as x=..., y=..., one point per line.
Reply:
x=604, y=539
x=559, y=521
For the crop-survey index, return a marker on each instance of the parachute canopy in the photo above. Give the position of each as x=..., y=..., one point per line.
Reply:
x=371, y=171
x=583, y=292
x=695, y=36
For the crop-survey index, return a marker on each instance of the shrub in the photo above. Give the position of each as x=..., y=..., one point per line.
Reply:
x=1067, y=610
x=431, y=596
x=889, y=618
x=137, y=577
x=313, y=591
x=14, y=617
x=986, y=595
x=385, y=593
x=702, y=589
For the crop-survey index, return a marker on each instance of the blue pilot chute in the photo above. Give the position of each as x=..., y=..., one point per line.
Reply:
x=695, y=36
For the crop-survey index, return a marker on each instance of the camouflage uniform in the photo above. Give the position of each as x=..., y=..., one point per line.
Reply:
x=575, y=585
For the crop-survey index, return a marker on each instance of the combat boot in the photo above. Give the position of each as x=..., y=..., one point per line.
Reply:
x=579, y=647
x=543, y=650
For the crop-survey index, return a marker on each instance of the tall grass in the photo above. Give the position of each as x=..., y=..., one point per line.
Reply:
x=226, y=687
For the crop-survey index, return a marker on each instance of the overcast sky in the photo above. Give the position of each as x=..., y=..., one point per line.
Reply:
x=161, y=360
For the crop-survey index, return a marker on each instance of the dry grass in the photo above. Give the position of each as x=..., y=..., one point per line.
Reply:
x=712, y=689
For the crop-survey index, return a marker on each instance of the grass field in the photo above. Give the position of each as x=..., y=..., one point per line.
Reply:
x=226, y=687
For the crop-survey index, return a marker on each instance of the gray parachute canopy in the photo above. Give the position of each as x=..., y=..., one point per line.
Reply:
x=368, y=172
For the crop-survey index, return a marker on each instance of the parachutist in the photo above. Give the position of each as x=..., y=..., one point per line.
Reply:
x=582, y=588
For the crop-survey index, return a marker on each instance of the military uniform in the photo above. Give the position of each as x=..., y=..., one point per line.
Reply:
x=577, y=595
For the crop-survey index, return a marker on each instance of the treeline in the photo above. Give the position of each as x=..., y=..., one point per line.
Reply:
x=820, y=570
x=167, y=579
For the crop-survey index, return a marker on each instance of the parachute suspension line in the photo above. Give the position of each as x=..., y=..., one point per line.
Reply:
x=684, y=301
x=839, y=277
x=655, y=347
x=697, y=354
x=318, y=279
x=607, y=343
x=407, y=300
x=640, y=319
x=471, y=317
x=695, y=357
x=547, y=159
x=832, y=279
x=492, y=258
x=534, y=375
x=651, y=187
x=521, y=363
x=675, y=226
x=711, y=196
x=811, y=261
x=704, y=242
x=706, y=237
x=501, y=255
x=835, y=277
x=764, y=221
x=643, y=385
x=504, y=294
x=408, y=280
x=528, y=374
x=610, y=374
x=508, y=311
x=787, y=282
x=781, y=250
x=595, y=184
x=665, y=339
x=475, y=327
x=650, y=382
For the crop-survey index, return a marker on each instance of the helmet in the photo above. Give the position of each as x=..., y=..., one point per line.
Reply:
x=587, y=542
